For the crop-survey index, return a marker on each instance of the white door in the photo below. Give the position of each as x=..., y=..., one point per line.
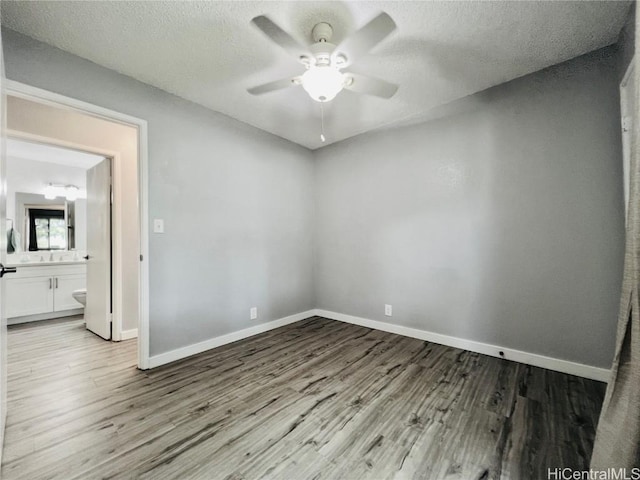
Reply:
x=3, y=257
x=97, y=313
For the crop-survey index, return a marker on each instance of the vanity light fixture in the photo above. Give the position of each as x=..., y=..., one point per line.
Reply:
x=70, y=192
x=50, y=192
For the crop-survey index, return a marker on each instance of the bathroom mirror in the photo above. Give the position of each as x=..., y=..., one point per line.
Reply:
x=44, y=224
x=40, y=222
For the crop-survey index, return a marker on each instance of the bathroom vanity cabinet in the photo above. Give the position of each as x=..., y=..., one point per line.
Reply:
x=44, y=291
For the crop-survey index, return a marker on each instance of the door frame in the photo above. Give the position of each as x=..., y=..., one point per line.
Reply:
x=21, y=90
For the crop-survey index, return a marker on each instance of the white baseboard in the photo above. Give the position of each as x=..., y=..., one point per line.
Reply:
x=184, y=352
x=44, y=316
x=128, y=334
x=559, y=365
x=565, y=366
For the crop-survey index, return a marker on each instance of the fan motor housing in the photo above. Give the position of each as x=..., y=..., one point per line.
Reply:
x=322, y=32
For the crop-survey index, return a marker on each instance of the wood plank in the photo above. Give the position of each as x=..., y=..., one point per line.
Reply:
x=318, y=399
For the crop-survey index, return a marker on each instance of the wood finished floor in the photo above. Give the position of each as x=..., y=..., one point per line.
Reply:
x=318, y=399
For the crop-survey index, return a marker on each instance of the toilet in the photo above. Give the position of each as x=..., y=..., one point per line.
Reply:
x=80, y=296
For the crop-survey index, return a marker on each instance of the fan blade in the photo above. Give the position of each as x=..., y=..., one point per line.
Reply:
x=279, y=36
x=272, y=86
x=362, y=41
x=370, y=85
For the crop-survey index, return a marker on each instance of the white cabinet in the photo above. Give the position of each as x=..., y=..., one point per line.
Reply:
x=63, y=287
x=29, y=296
x=38, y=290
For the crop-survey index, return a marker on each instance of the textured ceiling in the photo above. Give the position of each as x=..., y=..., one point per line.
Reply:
x=209, y=53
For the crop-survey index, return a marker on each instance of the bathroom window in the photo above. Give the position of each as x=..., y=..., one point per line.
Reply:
x=47, y=229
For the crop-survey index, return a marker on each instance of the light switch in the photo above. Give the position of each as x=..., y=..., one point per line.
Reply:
x=158, y=225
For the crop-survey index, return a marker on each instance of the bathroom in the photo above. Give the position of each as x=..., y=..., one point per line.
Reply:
x=46, y=230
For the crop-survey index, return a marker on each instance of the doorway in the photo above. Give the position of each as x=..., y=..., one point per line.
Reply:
x=41, y=116
x=52, y=192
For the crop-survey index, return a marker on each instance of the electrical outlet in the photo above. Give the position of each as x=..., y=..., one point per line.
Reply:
x=388, y=310
x=253, y=313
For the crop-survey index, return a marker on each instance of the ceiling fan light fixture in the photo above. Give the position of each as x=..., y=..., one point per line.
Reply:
x=323, y=60
x=323, y=82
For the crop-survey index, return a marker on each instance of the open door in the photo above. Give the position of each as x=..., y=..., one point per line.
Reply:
x=97, y=312
x=3, y=256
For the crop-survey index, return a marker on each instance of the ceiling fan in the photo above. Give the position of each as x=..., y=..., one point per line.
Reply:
x=323, y=60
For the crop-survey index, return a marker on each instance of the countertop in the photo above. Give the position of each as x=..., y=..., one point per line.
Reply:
x=46, y=263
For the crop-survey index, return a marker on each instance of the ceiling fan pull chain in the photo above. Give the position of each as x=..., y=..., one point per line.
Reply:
x=322, y=138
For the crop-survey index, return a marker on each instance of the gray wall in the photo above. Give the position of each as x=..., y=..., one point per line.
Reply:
x=237, y=202
x=498, y=220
